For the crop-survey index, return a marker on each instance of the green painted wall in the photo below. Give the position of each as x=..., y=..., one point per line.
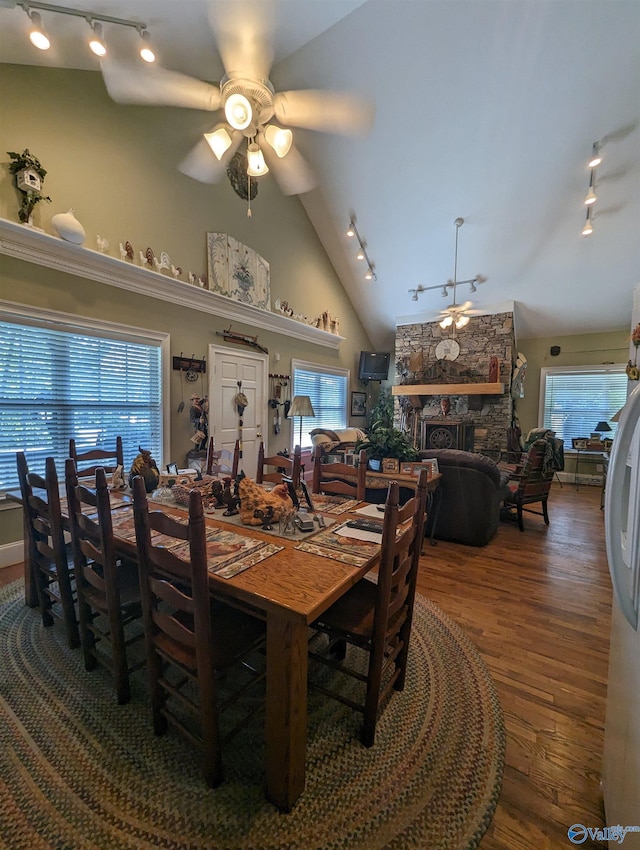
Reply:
x=117, y=168
x=578, y=350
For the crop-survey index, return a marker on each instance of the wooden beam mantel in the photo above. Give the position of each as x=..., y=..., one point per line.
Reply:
x=448, y=389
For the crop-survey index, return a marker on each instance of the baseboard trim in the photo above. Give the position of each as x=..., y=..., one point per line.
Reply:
x=11, y=553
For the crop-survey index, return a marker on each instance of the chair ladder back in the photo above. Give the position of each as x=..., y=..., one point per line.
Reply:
x=340, y=478
x=46, y=548
x=215, y=466
x=277, y=466
x=97, y=455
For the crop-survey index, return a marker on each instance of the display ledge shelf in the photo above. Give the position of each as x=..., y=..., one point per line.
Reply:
x=448, y=389
x=34, y=246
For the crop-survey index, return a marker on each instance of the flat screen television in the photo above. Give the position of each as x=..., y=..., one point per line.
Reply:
x=374, y=365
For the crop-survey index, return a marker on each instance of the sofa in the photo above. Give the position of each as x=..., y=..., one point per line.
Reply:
x=472, y=489
x=343, y=439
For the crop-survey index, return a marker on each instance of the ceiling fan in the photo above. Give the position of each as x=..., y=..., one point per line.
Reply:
x=454, y=314
x=251, y=110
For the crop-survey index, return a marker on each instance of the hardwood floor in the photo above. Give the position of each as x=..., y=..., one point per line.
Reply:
x=537, y=607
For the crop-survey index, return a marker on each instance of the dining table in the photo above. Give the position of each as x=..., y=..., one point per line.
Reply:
x=289, y=580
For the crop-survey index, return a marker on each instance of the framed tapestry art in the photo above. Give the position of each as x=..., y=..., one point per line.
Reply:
x=237, y=271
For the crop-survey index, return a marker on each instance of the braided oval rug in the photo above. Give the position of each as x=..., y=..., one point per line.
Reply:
x=79, y=772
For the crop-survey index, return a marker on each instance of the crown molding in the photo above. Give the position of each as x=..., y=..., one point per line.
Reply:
x=35, y=246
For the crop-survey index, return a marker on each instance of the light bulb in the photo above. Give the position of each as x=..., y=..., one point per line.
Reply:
x=369, y=274
x=461, y=321
x=350, y=230
x=96, y=42
x=360, y=255
x=146, y=52
x=596, y=159
x=37, y=34
x=256, y=166
x=219, y=141
x=280, y=140
x=238, y=112
x=446, y=322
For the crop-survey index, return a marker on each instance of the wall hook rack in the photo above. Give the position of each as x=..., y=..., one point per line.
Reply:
x=189, y=364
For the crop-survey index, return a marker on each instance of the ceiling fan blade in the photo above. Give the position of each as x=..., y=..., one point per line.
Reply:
x=201, y=163
x=329, y=112
x=243, y=32
x=156, y=86
x=292, y=172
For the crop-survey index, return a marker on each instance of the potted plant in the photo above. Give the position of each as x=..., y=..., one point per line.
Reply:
x=386, y=441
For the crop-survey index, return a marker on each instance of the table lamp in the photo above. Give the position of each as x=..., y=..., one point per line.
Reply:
x=602, y=428
x=301, y=406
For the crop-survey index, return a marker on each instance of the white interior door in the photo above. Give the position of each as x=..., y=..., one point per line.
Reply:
x=232, y=371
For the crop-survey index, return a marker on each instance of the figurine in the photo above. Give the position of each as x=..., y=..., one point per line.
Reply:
x=103, y=246
x=176, y=271
x=266, y=516
x=163, y=263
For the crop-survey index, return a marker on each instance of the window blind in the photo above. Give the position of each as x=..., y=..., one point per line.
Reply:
x=327, y=390
x=576, y=400
x=58, y=383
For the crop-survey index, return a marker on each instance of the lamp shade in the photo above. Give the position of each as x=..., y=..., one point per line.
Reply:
x=602, y=427
x=301, y=406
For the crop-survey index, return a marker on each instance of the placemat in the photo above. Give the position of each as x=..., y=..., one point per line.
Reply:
x=333, y=504
x=328, y=544
x=227, y=553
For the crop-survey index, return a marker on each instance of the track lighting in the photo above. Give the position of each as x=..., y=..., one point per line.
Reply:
x=96, y=42
x=37, y=33
x=596, y=158
x=40, y=39
x=146, y=53
x=352, y=231
x=587, y=230
x=454, y=312
x=591, y=195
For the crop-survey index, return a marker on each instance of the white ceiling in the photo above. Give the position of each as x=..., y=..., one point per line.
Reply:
x=485, y=109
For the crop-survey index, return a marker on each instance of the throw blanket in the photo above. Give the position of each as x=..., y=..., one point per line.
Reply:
x=554, y=449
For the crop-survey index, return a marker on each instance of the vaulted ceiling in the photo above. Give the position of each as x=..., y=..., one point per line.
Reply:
x=484, y=109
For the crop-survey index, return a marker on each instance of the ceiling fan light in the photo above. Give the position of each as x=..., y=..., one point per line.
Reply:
x=256, y=166
x=96, y=43
x=279, y=139
x=461, y=321
x=238, y=112
x=446, y=322
x=146, y=53
x=37, y=34
x=219, y=141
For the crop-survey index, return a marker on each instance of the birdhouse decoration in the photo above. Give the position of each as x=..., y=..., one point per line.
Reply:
x=29, y=175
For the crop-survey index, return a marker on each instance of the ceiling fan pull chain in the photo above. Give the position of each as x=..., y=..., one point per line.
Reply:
x=248, y=196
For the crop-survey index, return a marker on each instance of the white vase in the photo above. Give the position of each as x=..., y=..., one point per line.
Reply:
x=67, y=226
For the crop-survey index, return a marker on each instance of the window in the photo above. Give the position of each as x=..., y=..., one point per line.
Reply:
x=327, y=389
x=62, y=378
x=573, y=401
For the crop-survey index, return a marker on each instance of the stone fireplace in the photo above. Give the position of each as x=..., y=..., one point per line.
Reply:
x=460, y=403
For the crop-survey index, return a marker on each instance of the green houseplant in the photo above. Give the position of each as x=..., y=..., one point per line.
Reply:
x=386, y=441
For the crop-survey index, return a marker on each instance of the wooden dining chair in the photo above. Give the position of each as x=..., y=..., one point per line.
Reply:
x=108, y=587
x=189, y=640
x=274, y=467
x=96, y=457
x=376, y=617
x=49, y=556
x=222, y=462
x=340, y=478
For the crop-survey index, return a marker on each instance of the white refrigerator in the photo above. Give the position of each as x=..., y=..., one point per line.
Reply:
x=621, y=760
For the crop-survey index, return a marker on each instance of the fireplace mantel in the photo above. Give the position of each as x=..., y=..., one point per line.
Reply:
x=448, y=389
x=33, y=246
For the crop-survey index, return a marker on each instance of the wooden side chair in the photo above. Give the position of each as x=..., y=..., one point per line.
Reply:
x=531, y=483
x=96, y=457
x=340, y=478
x=376, y=617
x=188, y=640
x=108, y=587
x=222, y=462
x=274, y=467
x=50, y=558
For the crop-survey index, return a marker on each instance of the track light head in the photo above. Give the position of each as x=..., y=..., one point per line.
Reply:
x=96, y=42
x=596, y=158
x=146, y=53
x=37, y=33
